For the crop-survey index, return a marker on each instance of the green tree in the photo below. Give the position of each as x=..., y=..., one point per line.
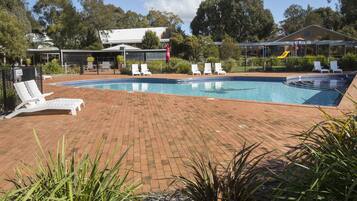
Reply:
x=61, y=21
x=12, y=36
x=18, y=9
x=177, y=42
x=208, y=20
x=294, y=19
x=331, y=19
x=349, y=11
x=150, y=40
x=241, y=19
x=193, y=48
x=229, y=48
x=98, y=16
x=133, y=20
x=207, y=47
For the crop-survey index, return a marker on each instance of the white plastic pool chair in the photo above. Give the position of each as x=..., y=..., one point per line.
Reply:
x=145, y=70
x=47, y=77
x=35, y=92
x=208, y=69
x=135, y=69
x=30, y=105
x=334, y=67
x=218, y=69
x=194, y=69
x=318, y=67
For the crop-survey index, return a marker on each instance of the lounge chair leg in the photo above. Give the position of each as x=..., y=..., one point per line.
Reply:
x=11, y=115
x=74, y=112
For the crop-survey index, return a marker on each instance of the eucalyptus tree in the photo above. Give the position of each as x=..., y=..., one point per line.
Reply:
x=241, y=19
x=61, y=21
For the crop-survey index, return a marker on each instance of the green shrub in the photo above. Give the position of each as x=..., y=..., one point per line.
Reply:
x=349, y=62
x=239, y=180
x=157, y=66
x=28, y=62
x=10, y=98
x=120, y=59
x=74, y=70
x=229, y=64
x=323, y=166
x=126, y=70
x=59, y=177
x=212, y=60
x=184, y=68
x=52, y=67
x=178, y=65
x=90, y=59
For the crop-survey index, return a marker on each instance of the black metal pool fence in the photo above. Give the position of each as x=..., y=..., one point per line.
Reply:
x=8, y=76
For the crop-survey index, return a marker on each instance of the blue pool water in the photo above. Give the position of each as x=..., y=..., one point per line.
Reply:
x=275, y=91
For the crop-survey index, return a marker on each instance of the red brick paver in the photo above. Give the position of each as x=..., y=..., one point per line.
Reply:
x=161, y=131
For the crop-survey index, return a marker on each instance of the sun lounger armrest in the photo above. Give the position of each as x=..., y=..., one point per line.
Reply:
x=26, y=102
x=47, y=94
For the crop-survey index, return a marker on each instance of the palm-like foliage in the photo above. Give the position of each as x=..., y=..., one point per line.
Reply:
x=204, y=183
x=243, y=176
x=59, y=178
x=324, y=165
x=238, y=181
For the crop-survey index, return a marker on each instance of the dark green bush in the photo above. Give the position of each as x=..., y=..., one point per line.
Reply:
x=126, y=70
x=157, y=66
x=212, y=60
x=52, y=67
x=324, y=165
x=349, y=62
x=178, y=65
x=10, y=98
x=238, y=181
x=59, y=177
x=184, y=68
x=227, y=65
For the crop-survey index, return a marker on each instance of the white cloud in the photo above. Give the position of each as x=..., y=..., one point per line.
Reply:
x=186, y=9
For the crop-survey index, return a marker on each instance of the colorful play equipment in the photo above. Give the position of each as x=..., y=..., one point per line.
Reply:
x=284, y=55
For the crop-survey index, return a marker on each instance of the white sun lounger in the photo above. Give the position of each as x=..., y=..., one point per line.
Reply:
x=334, y=67
x=218, y=69
x=47, y=77
x=30, y=105
x=35, y=92
x=194, y=69
x=318, y=67
x=135, y=69
x=208, y=69
x=145, y=70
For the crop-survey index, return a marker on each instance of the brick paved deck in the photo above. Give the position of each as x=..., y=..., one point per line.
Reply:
x=160, y=130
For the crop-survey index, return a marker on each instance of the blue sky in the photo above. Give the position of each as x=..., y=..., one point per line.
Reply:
x=186, y=9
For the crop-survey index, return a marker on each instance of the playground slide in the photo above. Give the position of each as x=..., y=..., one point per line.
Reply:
x=284, y=55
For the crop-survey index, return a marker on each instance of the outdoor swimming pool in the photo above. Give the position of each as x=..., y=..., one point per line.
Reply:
x=273, y=90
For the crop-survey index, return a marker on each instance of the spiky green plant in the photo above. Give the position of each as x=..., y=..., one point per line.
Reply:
x=243, y=176
x=204, y=183
x=211, y=181
x=58, y=177
x=324, y=165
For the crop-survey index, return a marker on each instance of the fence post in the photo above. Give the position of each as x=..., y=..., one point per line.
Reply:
x=4, y=90
x=41, y=79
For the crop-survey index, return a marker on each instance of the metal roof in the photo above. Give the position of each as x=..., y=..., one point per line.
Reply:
x=120, y=36
x=119, y=47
